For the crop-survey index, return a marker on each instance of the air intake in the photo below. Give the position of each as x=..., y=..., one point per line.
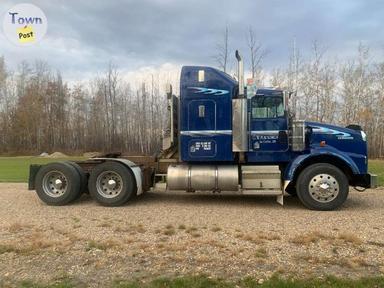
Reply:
x=298, y=135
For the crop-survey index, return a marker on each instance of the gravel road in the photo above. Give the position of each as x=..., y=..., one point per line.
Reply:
x=163, y=234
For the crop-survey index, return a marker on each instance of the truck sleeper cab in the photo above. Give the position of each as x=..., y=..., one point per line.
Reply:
x=223, y=137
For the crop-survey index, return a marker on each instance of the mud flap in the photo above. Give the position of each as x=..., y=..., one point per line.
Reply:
x=33, y=169
x=280, y=198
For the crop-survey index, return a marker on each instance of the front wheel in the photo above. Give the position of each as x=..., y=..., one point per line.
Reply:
x=322, y=187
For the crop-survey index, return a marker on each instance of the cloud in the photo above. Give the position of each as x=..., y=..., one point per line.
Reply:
x=84, y=36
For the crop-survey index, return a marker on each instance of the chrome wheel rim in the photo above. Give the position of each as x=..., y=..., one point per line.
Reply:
x=323, y=188
x=109, y=184
x=55, y=184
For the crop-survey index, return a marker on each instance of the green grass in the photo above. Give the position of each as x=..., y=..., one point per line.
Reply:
x=205, y=282
x=63, y=283
x=16, y=169
x=377, y=167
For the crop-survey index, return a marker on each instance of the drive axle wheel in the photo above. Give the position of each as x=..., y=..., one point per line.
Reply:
x=57, y=183
x=83, y=177
x=111, y=184
x=322, y=187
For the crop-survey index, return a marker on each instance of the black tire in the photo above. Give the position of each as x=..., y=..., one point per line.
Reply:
x=83, y=177
x=123, y=177
x=335, y=191
x=67, y=174
x=291, y=190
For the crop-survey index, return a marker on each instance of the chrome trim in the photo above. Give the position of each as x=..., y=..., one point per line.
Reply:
x=109, y=184
x=297, y=137
x=55, y=184
x=240, y=73
x=206, y=132
x=266, y=132
x=323, y=188
x=239, y=125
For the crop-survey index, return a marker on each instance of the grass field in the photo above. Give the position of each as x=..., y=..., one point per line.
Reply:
x=377, y=167
x=16, y=169
x=205, y=282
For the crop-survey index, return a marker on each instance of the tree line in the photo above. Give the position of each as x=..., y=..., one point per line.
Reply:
x=339, y=92
x=41, y=112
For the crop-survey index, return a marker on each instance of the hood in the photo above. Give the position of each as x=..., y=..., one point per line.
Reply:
x=341, y=138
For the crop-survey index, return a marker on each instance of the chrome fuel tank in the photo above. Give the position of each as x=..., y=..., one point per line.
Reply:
x=203, y=177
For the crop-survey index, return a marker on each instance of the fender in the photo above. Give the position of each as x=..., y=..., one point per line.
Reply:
x=319, y=151
x=131, y=166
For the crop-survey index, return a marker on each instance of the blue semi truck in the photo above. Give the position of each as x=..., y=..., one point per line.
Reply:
x=223, y=137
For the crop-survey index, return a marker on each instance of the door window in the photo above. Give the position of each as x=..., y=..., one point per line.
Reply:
x=267, y=107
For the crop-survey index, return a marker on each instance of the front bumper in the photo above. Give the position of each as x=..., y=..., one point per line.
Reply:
x=364, y=180
x=372, y=180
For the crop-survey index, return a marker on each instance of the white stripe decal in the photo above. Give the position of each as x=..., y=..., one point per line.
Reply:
x=265, y=132
x=206, y=132
x=228, y=132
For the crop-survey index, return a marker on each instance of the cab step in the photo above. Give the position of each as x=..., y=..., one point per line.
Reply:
x=262, y=180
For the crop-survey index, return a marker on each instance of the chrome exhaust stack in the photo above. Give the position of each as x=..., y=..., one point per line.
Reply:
x=239, y=112
x=170, y=132
x=240, y=73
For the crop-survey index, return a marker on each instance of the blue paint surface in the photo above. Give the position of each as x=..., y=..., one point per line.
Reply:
x=206, y=128
x=213, y=123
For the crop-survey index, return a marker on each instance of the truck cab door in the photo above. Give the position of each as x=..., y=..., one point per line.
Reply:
x=268, y=123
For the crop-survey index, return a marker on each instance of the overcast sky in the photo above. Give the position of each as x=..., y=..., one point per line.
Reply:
x=84, y=35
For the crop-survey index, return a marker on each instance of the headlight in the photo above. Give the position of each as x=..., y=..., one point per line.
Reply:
x=363, y=135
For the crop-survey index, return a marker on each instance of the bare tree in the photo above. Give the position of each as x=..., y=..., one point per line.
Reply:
x=278, y=78
x=256, y=53
x=293, y=74
x=376, y=137
x=356, y=81
x=222, y=49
